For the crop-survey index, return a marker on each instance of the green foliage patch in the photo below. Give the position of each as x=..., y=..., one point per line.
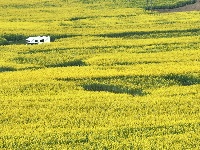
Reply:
x=5, y=69
x=153, y=34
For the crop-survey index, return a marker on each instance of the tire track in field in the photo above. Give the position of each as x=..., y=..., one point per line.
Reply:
x=190, y=7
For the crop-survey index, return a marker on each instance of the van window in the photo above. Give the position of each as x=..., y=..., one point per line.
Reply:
x=42, y=40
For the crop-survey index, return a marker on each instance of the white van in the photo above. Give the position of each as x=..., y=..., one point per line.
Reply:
x=38, y=40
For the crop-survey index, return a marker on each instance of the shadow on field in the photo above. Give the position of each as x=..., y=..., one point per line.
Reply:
x=42, y=62
x=114, y=89
x=104, y=16
x=80, y=18
x=5, y=69
x=68, y=63
x=30, y=68
x=134, y=85
x=55, y=37
x=153, y=34
x=183, y=80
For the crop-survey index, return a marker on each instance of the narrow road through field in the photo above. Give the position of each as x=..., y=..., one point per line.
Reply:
x=191, y=7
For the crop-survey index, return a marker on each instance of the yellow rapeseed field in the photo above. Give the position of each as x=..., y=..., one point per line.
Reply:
x=115, y=76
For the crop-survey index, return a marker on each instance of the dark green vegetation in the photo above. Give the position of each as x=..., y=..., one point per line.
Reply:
x=4, y=69
x=3, y=41
x=154, y=34
x=136, y=85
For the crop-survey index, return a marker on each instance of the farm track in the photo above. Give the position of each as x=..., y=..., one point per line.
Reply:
x=191, y=7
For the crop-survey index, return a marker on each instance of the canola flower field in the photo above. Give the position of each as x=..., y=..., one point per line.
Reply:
x=115, y=76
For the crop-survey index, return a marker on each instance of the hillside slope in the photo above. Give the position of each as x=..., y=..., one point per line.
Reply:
x=189, y=7
x=115, y=76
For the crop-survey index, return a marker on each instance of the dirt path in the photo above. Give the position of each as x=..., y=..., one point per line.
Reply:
x=191, y=7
